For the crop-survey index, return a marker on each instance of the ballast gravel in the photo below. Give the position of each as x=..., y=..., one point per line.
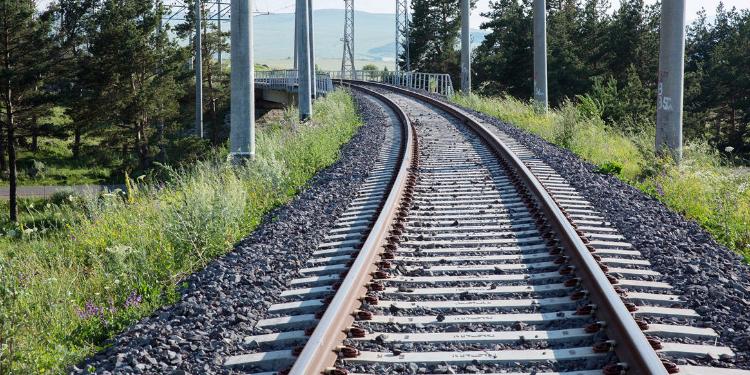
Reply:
x=713, y=280
x=222, y=303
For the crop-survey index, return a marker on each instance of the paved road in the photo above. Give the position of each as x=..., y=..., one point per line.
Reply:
x=46, y=191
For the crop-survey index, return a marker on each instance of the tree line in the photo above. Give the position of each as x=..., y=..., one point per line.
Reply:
x=117, y=72
x=606, y=52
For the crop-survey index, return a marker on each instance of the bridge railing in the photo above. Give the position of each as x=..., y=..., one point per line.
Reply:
x=288, y=80
x=440, y=84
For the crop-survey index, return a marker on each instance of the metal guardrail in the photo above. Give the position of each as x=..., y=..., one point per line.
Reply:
x=288, y=80
x=440, y=84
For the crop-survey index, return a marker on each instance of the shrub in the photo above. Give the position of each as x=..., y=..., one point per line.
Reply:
x=37, y=169
x=612, y=168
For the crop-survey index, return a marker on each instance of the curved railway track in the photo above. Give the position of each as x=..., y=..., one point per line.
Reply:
x=463, y=253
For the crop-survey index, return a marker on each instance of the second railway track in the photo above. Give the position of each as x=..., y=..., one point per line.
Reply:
x=464, y=253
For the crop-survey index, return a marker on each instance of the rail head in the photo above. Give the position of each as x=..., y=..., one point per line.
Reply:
x=320, y=351
x=631, y=345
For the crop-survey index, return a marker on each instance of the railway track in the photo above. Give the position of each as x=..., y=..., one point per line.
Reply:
x=464, y=253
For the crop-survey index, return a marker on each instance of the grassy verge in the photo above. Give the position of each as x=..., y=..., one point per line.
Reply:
x=53, y=164
x=102, y=263
x=703, y=188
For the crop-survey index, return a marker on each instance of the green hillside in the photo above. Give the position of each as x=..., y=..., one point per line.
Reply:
x=373, y=38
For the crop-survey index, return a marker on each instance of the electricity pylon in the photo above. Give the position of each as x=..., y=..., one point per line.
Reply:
x=347, y=60
x=402, y=33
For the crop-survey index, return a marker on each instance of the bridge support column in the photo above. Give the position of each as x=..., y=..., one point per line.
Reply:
x=671, y=78
x=313, y=83
x=465, y=47
x=303, y=54
x=540, y=55
x=242, y=133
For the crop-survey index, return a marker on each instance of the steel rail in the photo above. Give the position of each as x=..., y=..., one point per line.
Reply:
x=320, y=352
x=630, y=344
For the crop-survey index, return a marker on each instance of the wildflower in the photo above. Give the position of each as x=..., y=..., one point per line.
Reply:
x=133, y=300
x=90, y=310
x=728, y=149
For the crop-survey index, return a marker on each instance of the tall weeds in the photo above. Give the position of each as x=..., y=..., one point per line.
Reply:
x=68, y=284
x=703, y=187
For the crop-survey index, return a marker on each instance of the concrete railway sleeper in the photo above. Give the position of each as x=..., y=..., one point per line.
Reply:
x=467, y=254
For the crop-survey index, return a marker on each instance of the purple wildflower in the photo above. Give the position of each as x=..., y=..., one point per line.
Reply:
x=90, y=310
x=133, y=300
x=659, y=189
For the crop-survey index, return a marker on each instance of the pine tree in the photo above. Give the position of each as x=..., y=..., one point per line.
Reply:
x=717, y=84
x=134, y=73
x=435, y=29
x=25, y=59
x=76, y=23
x=566, y=62
x=504, y=60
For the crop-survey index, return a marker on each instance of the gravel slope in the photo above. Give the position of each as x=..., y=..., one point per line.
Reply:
x=712, y=278
x=224, y=301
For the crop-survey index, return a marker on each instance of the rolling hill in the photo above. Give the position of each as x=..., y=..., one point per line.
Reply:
x=374, y=38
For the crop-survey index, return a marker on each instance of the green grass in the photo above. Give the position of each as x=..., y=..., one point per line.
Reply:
x=107, y=261
x=60, y=168
x=704, y=187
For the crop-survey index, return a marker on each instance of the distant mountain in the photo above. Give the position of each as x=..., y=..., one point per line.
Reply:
x=374, y=36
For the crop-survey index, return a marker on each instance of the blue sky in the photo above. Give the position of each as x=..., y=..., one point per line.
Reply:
x=388, y=6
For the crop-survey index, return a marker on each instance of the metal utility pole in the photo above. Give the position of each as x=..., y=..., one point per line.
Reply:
x=218, y=28
x=671, y=78
x=242, y=133
x=465, y=48
x=402, y=34
x=347, y=60
x=313, y=83
x=160, y=122
x=540, y=55
x=296, y=46
x=304, y=92
x=198, y=71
